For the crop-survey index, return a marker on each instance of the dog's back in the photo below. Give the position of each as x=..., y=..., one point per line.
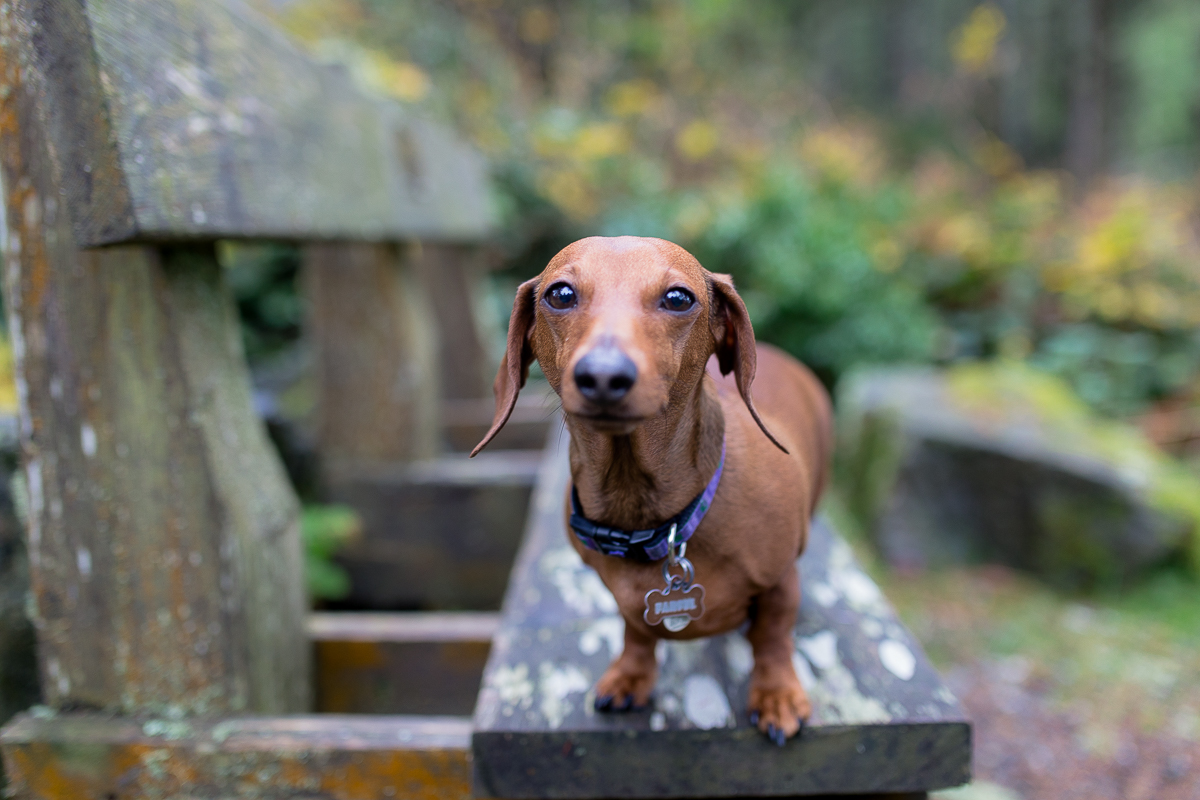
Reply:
x=794, y=404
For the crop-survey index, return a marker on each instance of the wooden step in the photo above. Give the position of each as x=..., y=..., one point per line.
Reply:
x=883, y=720
x=437, y=534
x=400, y=663
x=69, y=755
x=464, y=422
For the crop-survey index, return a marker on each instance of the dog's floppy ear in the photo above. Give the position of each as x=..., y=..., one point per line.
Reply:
x=734, y=337
x=518, y=355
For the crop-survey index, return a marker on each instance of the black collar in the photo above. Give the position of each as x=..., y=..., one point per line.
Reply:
x=649, y=544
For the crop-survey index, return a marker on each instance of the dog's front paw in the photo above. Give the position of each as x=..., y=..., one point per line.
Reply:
x=624, y=688
x=778, y=707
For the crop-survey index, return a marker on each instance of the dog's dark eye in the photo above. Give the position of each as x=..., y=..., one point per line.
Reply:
x=561, y=296
x=678, y=300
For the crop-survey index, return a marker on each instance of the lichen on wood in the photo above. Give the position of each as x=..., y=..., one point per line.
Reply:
x=162, y=536
x=74, y=756
x=883, y=721
x=172, y=119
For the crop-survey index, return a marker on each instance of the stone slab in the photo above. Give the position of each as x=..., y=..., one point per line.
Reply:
x=883, y=720
x=999, y=464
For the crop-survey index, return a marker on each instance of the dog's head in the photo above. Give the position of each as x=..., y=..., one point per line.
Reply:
x=622, y=328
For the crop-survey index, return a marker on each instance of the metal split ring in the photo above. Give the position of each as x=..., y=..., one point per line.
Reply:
x=674, y=557
x=689, y=573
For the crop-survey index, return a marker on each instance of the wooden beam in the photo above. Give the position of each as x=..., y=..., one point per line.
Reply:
x=404, y=627
x=94, y=757
x=163, y=536
x=465, y=422
x=882, y=721
x=453, y=275
x=374, y=355
x=171, y=119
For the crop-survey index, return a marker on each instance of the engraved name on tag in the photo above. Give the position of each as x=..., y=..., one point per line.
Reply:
x=675, y=606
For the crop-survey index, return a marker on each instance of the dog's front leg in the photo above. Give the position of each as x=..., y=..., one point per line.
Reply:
x=778, y=704
x=629, y=679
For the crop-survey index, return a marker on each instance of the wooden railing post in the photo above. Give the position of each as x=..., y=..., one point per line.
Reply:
x=453, y=274
x=373, y=342
x=163, y=537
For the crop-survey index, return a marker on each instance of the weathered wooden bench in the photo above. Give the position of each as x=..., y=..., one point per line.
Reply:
x=175, y=647
x=883, y=721
x=163, y=539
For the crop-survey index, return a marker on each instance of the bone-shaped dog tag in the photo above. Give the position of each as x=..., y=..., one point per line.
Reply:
x=676, y=605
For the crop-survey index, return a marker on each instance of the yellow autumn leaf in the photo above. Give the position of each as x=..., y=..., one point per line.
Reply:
x=843, y=153
x=631, y=98
x=974, y=44
x=401, y=79
x=8, y=380
x=600, y=140
x=697, y=140
x=570, y=191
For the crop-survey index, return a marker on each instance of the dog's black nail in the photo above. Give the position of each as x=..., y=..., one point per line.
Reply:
x=603, y=702
x=754, y=718
x=778, y=736
x=771, y=732
x=626, y=703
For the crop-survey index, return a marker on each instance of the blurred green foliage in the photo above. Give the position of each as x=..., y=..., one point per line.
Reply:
x=882, y=180
x=325, y=529
x=262, y=279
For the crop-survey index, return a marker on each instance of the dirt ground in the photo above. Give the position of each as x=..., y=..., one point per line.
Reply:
x=1070, y=697
x=1024, y=744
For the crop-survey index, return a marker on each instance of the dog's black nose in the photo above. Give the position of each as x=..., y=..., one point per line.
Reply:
x=605, y=375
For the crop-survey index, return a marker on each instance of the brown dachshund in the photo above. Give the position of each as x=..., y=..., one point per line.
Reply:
x=626, y=330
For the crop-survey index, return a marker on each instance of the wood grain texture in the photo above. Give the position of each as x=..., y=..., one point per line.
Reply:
x=883, y=721
x=163, y=537
x=94, y=757
x=172, y=119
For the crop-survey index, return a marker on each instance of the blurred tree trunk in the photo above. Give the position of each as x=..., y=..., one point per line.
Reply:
x=1086, y=143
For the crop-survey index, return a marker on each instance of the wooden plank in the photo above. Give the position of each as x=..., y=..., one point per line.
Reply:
x=438, y=534
x=883, y=721
x=163, y=537
x=413, y=626
x=173, y=119
x=432, y=677
x=466, y=421
x=94, y=757
x=406, y=663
